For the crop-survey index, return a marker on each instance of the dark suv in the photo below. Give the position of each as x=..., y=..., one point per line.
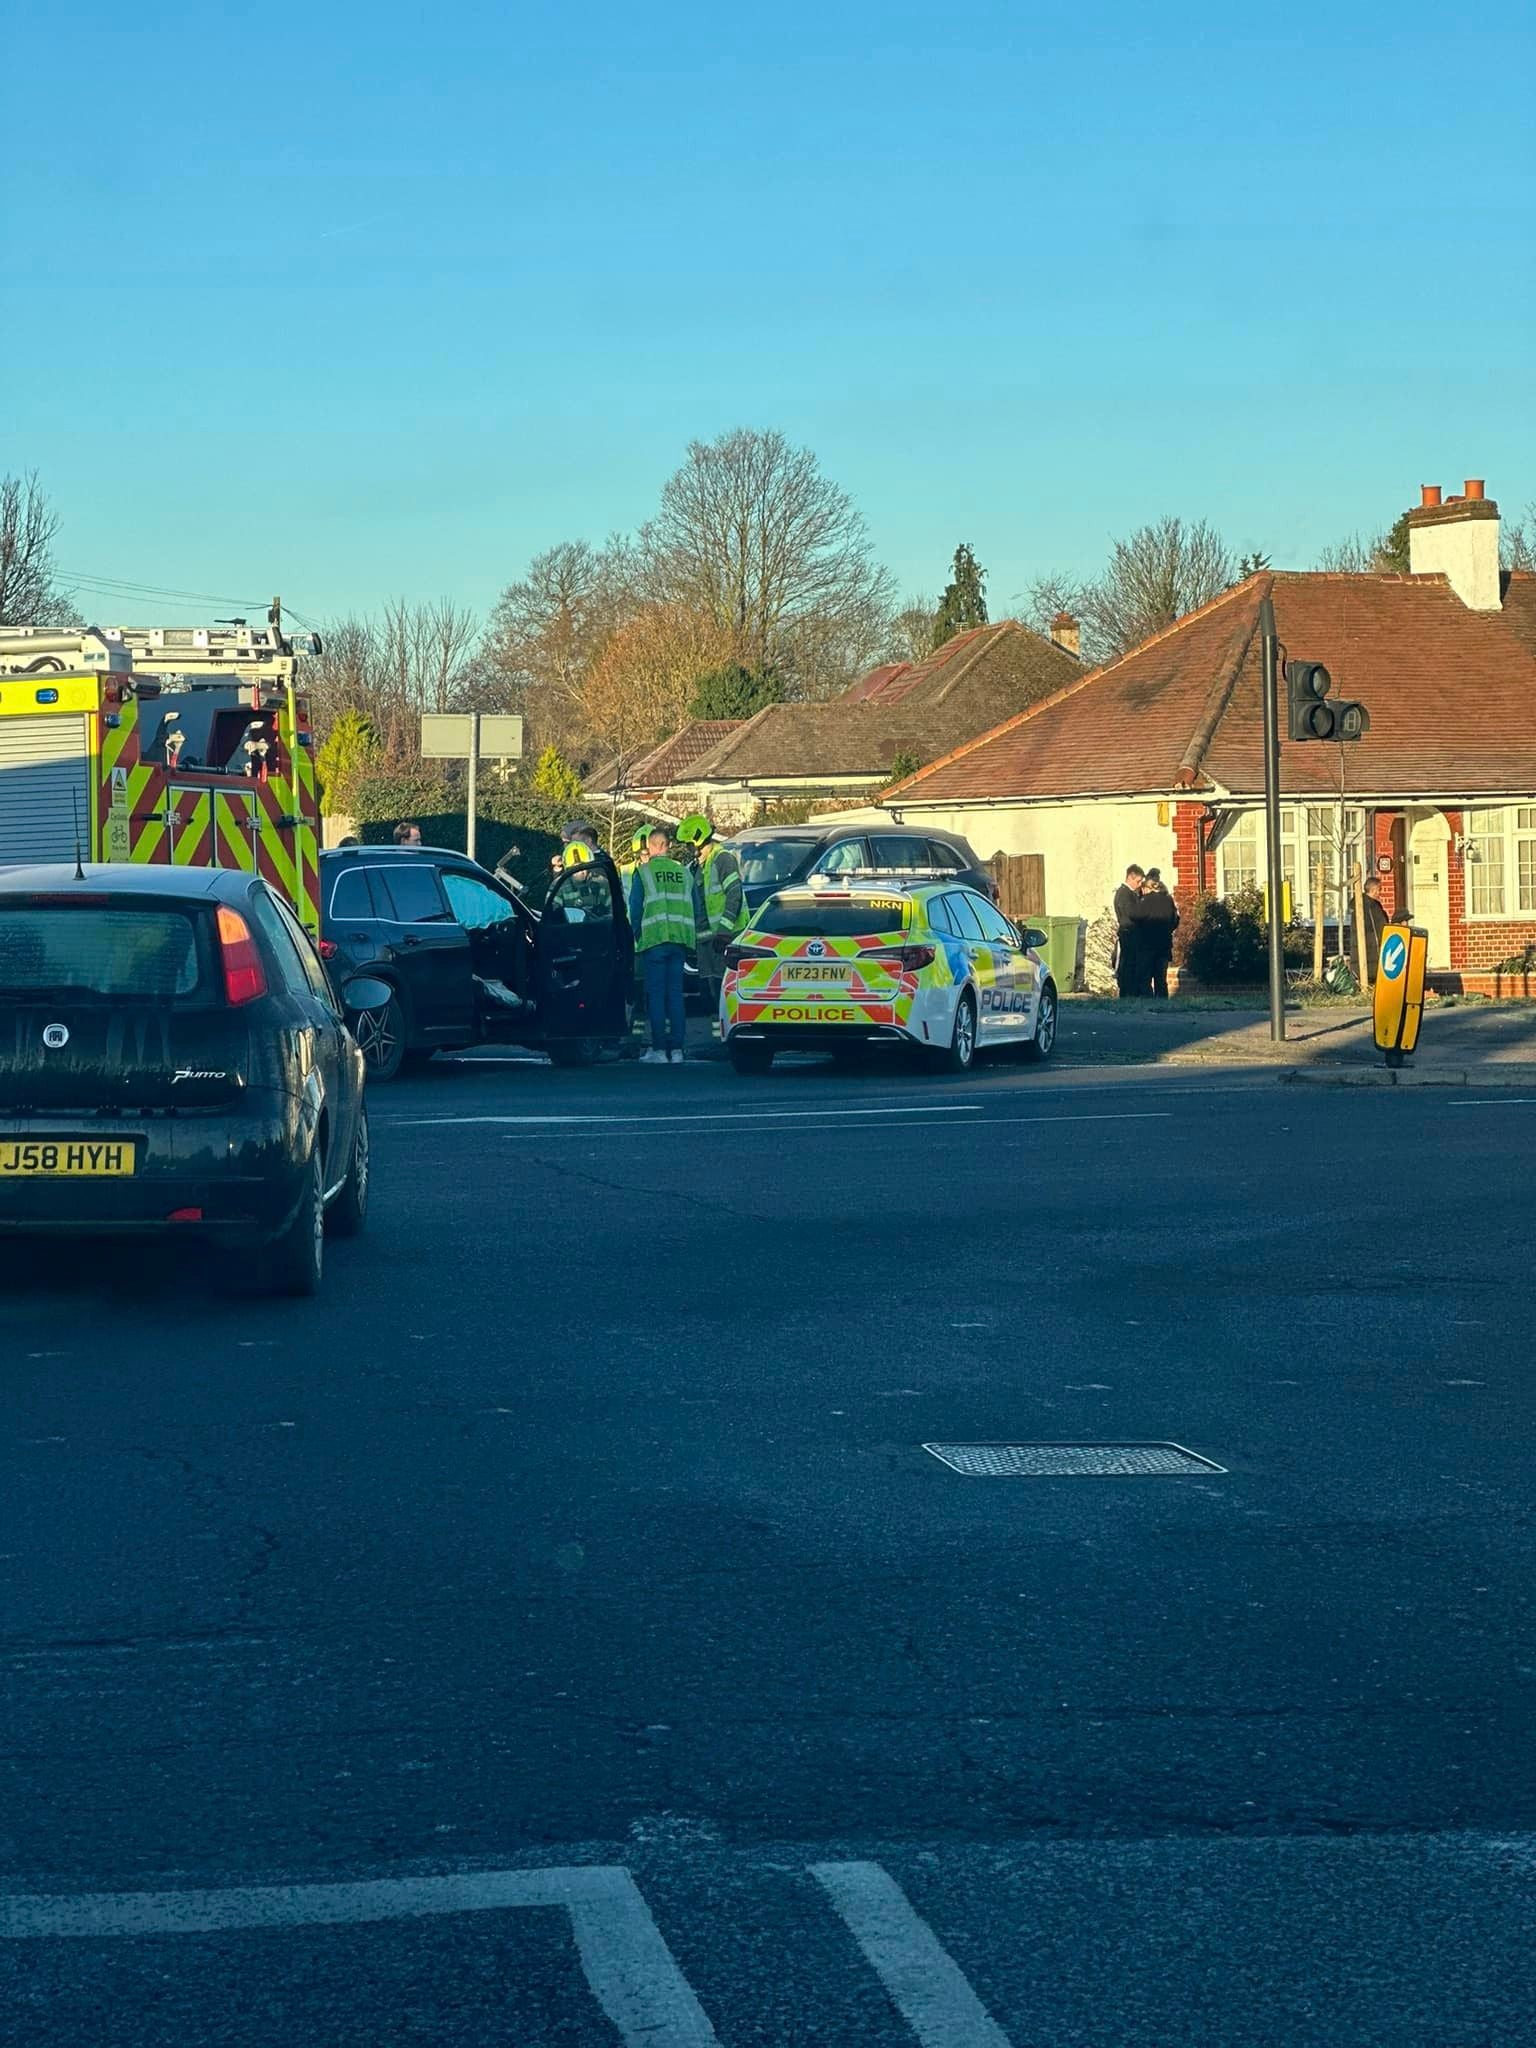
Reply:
x=776, y=856
x=469, y=961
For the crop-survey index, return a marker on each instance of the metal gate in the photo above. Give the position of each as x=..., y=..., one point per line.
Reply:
x=45, y=797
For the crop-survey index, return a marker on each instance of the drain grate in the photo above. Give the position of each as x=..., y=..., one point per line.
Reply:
x=1071, y=1461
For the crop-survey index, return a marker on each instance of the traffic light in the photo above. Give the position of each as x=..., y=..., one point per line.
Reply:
x=1311, y=716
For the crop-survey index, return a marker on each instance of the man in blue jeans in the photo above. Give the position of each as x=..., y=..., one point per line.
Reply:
x=666, y=912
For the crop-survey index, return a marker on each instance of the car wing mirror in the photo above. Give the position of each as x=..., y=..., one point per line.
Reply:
x=1034, y=938
x=366, y=994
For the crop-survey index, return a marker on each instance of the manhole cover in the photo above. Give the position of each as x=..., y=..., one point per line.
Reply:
x=1070, y=1461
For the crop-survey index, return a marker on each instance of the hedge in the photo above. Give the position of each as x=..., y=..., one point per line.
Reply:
x=506, y=817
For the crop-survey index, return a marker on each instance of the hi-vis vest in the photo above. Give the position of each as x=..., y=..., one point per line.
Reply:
x=666, y=911
x=720, y=869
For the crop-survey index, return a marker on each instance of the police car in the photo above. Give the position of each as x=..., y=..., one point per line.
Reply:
x=919, y=963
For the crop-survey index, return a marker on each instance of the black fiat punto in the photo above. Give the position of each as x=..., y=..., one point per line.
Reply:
x=173, y=1058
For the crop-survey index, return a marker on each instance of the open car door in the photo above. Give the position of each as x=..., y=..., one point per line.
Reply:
x=586, y=959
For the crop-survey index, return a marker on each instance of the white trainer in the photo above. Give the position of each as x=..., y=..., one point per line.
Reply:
x=675, y=1057
x=654, y=1058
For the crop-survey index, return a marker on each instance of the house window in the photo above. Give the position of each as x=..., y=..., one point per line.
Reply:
x=1237, y=857
x=1499, y=854
x=1309, y=837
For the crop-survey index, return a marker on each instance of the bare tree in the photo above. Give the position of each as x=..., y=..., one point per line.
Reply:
x=1048, y=596
x=753, y=535
x=344, y=677
x=413, y=658
x=1517, y=543
x=28, y=526
x=549, y=627
x=912, y=629
x=1154, y=577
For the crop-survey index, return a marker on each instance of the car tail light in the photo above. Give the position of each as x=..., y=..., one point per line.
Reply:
x=244, y=976
x=906, y=959
x=328, y=949
x=738, y=956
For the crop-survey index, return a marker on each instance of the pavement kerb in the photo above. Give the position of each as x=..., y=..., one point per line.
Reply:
x=1415, y=1077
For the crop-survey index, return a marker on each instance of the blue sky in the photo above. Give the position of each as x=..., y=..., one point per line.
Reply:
x=348, y=301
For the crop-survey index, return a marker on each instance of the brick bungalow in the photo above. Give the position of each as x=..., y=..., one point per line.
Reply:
x=1158, y=756
x=847, y=748
x=660, y=778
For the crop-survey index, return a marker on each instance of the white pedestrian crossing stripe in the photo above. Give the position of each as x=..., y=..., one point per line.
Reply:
x=631, y=1972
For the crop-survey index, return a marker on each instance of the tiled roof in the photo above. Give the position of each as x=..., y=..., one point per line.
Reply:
x=922, y=709
x=671, y=761
x=1451, y=693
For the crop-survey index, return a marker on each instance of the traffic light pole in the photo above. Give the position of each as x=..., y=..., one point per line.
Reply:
x=1272, y=821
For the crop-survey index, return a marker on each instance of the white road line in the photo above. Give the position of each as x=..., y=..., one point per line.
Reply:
x=1493, y=1102
x=921, y=1979
x=697, y=1116
x=963, y=1112
x=632, y=1973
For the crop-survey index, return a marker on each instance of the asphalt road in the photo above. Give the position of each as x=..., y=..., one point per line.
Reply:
x=559, y=1634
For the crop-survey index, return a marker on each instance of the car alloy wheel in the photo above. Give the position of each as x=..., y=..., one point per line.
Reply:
x=961, y=1050
x=1041, y=1045
x=380, y=1036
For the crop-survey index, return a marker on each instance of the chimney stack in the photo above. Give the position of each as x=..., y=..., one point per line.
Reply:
x=1458, y=538
x=1067, y=635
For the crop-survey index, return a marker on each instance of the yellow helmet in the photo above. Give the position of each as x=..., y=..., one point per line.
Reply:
x=576, y=855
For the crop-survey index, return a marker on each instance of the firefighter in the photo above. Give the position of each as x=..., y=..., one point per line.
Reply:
x=637, y=851
x=725, y=909
x=666, y=911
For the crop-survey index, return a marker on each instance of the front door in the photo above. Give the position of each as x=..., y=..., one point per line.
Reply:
x=500, y=950
x=1429, y=902
x=585, y=956
x=427, y=950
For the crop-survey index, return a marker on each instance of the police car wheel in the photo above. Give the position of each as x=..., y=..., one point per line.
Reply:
x=751, y=1058
x=296, y=1260
x=1043, y=1044
x=957, y=1056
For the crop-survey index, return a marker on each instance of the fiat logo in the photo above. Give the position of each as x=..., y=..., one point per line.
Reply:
x=815, y=949
x=55, y=1035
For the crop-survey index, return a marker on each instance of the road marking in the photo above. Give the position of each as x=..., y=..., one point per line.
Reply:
x=922, y=1980
x=964, y=1112
x=1494, y=1102
x=631, y=1972
x=698, y=1116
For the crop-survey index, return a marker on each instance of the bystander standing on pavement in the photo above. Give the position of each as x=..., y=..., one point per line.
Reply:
x=667, y=912
x=1156, y=918
x=407, y=834
x=725, y=909
x=1375, y=913
x=1132, y=975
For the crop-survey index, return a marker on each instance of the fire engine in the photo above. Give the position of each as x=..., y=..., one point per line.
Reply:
x=182, y=746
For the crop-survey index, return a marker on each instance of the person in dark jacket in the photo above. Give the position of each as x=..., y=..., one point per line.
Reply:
x=1158, y=917
x=1132, y=975
x=1375, y=924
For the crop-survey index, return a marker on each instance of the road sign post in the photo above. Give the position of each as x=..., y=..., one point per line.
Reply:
x=468, y=736
x=1397, y=1009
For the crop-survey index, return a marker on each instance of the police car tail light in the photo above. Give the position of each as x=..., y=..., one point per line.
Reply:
x=738, y=956
x=908, y=959
x=244, y=976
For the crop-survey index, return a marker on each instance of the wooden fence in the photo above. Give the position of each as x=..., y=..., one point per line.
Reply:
x=1020, y=879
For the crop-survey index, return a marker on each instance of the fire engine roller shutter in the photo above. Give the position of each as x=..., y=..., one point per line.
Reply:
x=43, y=787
